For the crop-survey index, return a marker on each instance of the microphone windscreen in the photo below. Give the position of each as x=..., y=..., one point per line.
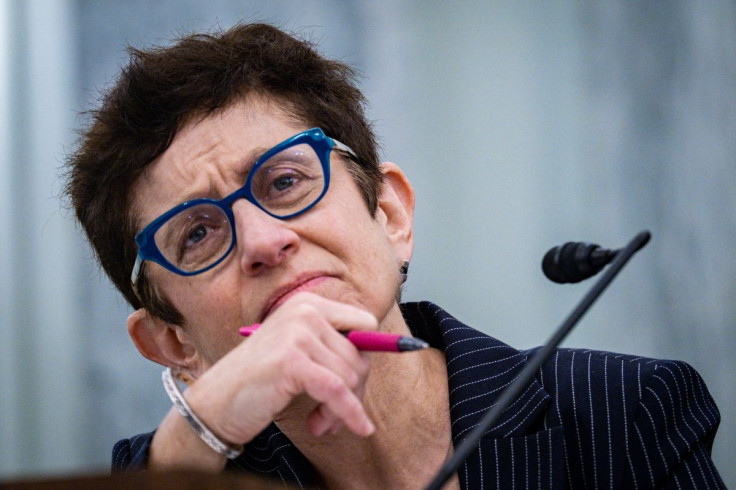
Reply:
x=574, y=262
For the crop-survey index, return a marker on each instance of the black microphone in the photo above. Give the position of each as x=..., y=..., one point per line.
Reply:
x=575, y=261
x=470, y=442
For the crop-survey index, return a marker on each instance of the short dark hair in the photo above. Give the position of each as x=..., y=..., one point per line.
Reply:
x=162, y=89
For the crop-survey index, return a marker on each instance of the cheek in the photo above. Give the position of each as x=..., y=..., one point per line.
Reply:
x=373, y=265
x=214, y=343
x=207, y=295
x=215, y=314
x=217, y=307
x=212, y=312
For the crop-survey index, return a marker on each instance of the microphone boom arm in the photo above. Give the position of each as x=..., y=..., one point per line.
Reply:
x=509, y=395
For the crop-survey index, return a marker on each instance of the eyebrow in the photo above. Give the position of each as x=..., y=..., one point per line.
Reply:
x=241, y=169
x=246, y=164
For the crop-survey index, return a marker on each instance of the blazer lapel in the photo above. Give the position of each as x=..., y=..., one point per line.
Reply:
x=517, y=450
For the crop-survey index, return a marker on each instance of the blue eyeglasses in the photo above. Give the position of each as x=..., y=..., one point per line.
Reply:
x=286, y=181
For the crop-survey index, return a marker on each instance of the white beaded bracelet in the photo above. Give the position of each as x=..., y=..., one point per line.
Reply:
x=172, y=389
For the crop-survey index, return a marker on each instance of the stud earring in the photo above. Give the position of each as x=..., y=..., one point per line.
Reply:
x=404, y=271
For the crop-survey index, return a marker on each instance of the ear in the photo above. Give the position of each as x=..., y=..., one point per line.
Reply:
x=396, y=209
x=165, y=344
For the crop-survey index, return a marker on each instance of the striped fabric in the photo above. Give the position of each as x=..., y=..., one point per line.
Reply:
x=589, y=420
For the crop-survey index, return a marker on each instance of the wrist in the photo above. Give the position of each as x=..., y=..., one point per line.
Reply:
x=196, y=425
x=176, y=445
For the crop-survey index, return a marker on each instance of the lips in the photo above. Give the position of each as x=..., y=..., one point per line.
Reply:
x=305, y=282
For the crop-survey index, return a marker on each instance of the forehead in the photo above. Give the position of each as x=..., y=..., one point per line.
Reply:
x=210, y=156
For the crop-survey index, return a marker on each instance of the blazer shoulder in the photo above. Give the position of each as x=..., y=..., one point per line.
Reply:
x=652, y=419
x=633, y=381
x=675, y=425
x=634, y=371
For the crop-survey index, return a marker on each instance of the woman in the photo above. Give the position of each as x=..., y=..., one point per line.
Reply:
x=237, y=176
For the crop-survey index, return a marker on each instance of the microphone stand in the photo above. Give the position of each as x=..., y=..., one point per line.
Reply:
x=509, y=395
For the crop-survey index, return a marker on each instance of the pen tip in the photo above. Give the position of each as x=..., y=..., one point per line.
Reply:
x=411, y=343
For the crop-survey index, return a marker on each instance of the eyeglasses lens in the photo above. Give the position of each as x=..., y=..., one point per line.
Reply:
x=289, y=181
x=195, y=237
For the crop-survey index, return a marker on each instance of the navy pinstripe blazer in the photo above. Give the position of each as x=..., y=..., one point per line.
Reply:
x=589, y=420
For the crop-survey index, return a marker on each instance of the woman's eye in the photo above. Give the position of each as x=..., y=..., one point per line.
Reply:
x=277, y=183
x=205, y=233
x=197, y=235
x=284, y=182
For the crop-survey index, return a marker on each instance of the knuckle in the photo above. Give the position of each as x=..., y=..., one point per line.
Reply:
x=291, y=360
x=303, y=298
x=352, y=380
x=334, y=387
x=306, y=311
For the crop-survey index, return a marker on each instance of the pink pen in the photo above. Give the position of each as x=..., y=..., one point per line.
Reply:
x=367, y=340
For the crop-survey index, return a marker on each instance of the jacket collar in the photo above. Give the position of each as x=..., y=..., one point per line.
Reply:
x=479, y=368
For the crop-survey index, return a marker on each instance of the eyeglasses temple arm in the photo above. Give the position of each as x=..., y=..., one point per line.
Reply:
x=135, y=275
x=345, y=149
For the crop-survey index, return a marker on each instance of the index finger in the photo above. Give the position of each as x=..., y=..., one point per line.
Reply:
x=342, y=316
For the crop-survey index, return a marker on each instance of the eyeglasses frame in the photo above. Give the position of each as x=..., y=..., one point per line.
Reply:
x=147, y=249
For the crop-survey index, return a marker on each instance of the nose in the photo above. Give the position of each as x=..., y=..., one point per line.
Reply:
x=263, y=241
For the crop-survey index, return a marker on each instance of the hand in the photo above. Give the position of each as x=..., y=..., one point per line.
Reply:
x=296, y=352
